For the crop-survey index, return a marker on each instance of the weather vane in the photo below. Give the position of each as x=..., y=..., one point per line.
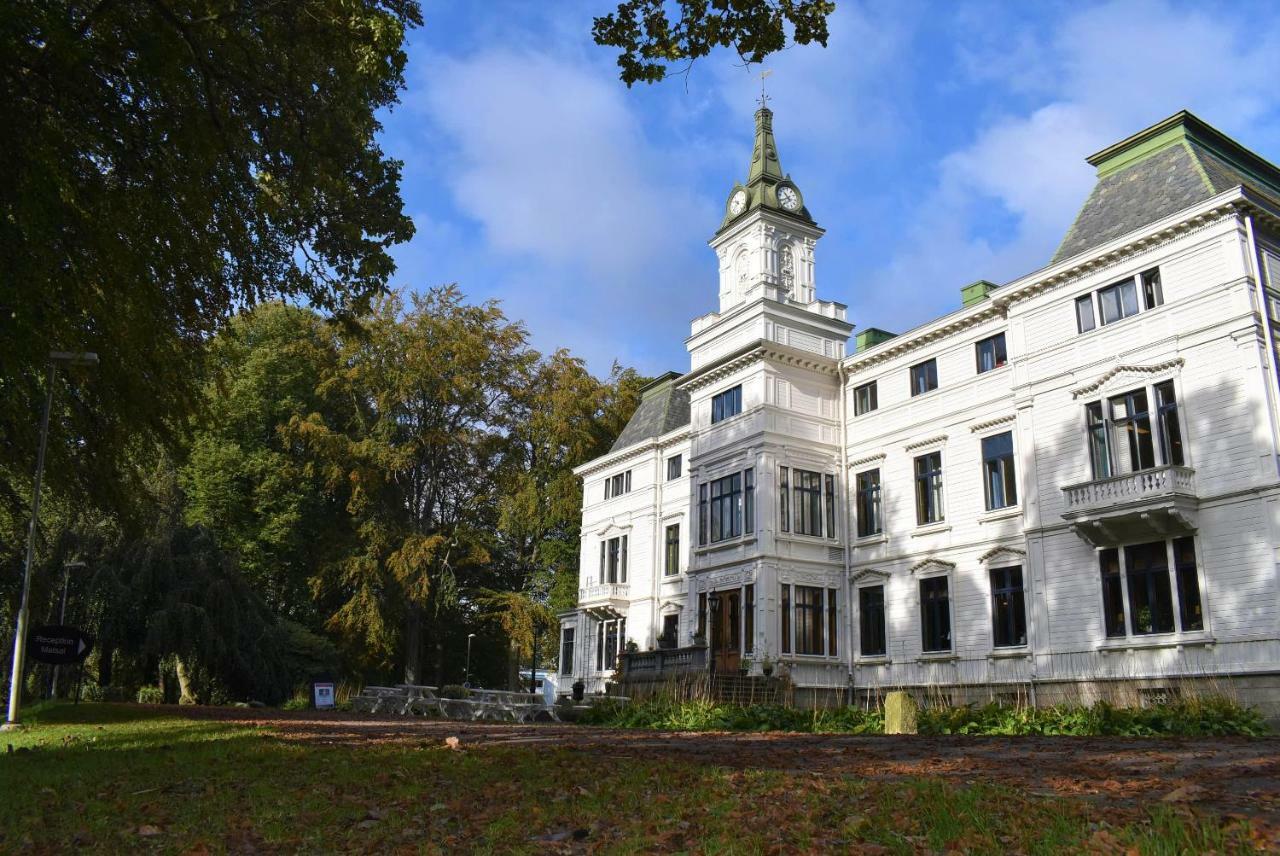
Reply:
x=764, y=96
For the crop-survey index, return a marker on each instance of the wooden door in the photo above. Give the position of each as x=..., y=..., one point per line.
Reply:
x=726, y=637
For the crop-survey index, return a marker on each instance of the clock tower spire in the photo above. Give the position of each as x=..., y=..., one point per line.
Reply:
x=766, y=240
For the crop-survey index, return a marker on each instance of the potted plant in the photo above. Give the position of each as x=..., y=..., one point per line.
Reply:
x=744, y=666
x=700, y=640
x=766, y=666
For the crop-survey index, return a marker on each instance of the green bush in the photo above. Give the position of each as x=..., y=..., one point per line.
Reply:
x=1195, y=717
x=1206, y=717
x=454, y=691
x=150, y=695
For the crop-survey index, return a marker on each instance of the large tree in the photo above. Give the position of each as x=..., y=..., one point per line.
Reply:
x=652, y=35
x=166, y=162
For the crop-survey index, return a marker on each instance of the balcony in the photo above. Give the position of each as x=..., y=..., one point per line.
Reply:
x=1143, y=506
x=604, y=599
x=645, y=665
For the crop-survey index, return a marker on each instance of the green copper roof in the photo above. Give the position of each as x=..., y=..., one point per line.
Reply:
x=1159, y=171
x=765, y=179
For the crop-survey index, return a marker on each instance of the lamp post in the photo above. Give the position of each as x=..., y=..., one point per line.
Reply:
x=466, y=675
x=20, y=635
x=62, y=617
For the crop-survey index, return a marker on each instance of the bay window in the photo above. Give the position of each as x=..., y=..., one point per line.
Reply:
x=809, y=624
x=1151, y=588
x=726, y=507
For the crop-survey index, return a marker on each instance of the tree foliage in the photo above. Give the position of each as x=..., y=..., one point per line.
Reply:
x=650, y=39
x=166, y=163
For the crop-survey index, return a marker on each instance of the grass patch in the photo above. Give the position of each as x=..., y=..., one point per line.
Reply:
x=126, y=779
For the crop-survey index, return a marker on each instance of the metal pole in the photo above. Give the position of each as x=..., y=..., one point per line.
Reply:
x=466, y=675
x=20, y=636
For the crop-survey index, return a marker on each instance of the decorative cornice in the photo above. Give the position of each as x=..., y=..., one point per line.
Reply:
x=630, y=453
x=878, y=456
x=992, y=423
x=1126, y=368
x=931, y=562
x=857, y=576
x=996, y=551
x=754, y=352
x=1224, y=206
x=920, y=444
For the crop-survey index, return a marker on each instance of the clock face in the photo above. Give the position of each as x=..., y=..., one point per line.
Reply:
x=788, y=198
x=738, y=203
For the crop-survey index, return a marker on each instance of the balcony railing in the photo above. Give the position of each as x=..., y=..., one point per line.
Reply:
x=665, y=661
x=604, y=591
x=1130, y=489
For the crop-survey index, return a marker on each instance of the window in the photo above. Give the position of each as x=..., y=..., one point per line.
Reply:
x=670, y=631
x=726, y=404
x=1184, y=560
x=1118, y=301
x=864, y=399
x=673, y=550
x=929, y=488
x=998, y=471
x=1112, y=592
x=924, y=377
x=868, y=499
x=1120, y=432
x=613, y=560
x=726, y=507
x=811, y=610
x=566, y=651
x=1150, y=597
x=1167, y=419
x=1008, y=607
x=829, y=504
x=785, y=643
x=673, y=467
x=935, y=614
x=1152, y=295
x=617, y=485
x=1139, y=592
x=991, y=353
x=784, y=497
x=808, y=502
x=749, y=619
x=871, y=629
x=611, y=636
x=1084, y=314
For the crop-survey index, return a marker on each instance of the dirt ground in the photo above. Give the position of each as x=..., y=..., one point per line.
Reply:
x=1234, y=776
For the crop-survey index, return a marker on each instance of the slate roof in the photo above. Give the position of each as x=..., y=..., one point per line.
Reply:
x=1164, y=169
x=662, y=408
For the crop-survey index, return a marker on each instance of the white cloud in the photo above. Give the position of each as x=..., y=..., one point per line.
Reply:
x=1116, y=68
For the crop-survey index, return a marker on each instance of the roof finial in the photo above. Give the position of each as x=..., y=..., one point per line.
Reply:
x=764, y=96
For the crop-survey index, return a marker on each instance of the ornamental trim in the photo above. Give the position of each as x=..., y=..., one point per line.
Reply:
x=920, y=444
x=1126, y=368
x=992, y=423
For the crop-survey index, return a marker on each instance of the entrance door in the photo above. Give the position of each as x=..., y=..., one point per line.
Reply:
x=726, y=637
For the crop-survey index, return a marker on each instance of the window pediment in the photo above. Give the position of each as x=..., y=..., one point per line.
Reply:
x=1002, y=554
x=869, y=575
x=932, y=566
x=1124, y=375
x=612, y=529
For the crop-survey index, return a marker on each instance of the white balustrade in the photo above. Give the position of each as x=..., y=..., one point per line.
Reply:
x=1129, y=488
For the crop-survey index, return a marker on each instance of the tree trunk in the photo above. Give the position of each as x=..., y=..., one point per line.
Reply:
x=105, y=655
x=186, y=695
x=413, y=645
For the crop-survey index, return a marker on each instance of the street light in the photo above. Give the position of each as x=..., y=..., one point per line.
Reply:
x=466, y=675
x=20, y=636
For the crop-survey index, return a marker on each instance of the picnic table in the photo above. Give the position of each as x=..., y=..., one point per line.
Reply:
x=482, y=704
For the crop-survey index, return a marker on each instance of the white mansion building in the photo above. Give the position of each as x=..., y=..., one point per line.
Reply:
x=1068, y=488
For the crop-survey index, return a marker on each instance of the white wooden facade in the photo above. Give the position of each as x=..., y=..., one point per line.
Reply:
x=1079, y=520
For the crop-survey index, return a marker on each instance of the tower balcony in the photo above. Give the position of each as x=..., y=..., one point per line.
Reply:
x=1148, y=505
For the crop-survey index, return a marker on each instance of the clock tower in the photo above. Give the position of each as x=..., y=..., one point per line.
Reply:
x=765, y=242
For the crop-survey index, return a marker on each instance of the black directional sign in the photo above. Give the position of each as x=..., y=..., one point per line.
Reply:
x=57, y=644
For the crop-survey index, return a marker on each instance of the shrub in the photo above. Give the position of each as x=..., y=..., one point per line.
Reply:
x=150, y=695
x=454, y=691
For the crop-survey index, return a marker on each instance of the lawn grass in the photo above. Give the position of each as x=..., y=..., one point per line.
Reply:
x=125, y=779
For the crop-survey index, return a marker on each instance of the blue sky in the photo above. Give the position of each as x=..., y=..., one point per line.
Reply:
x=937, y=143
